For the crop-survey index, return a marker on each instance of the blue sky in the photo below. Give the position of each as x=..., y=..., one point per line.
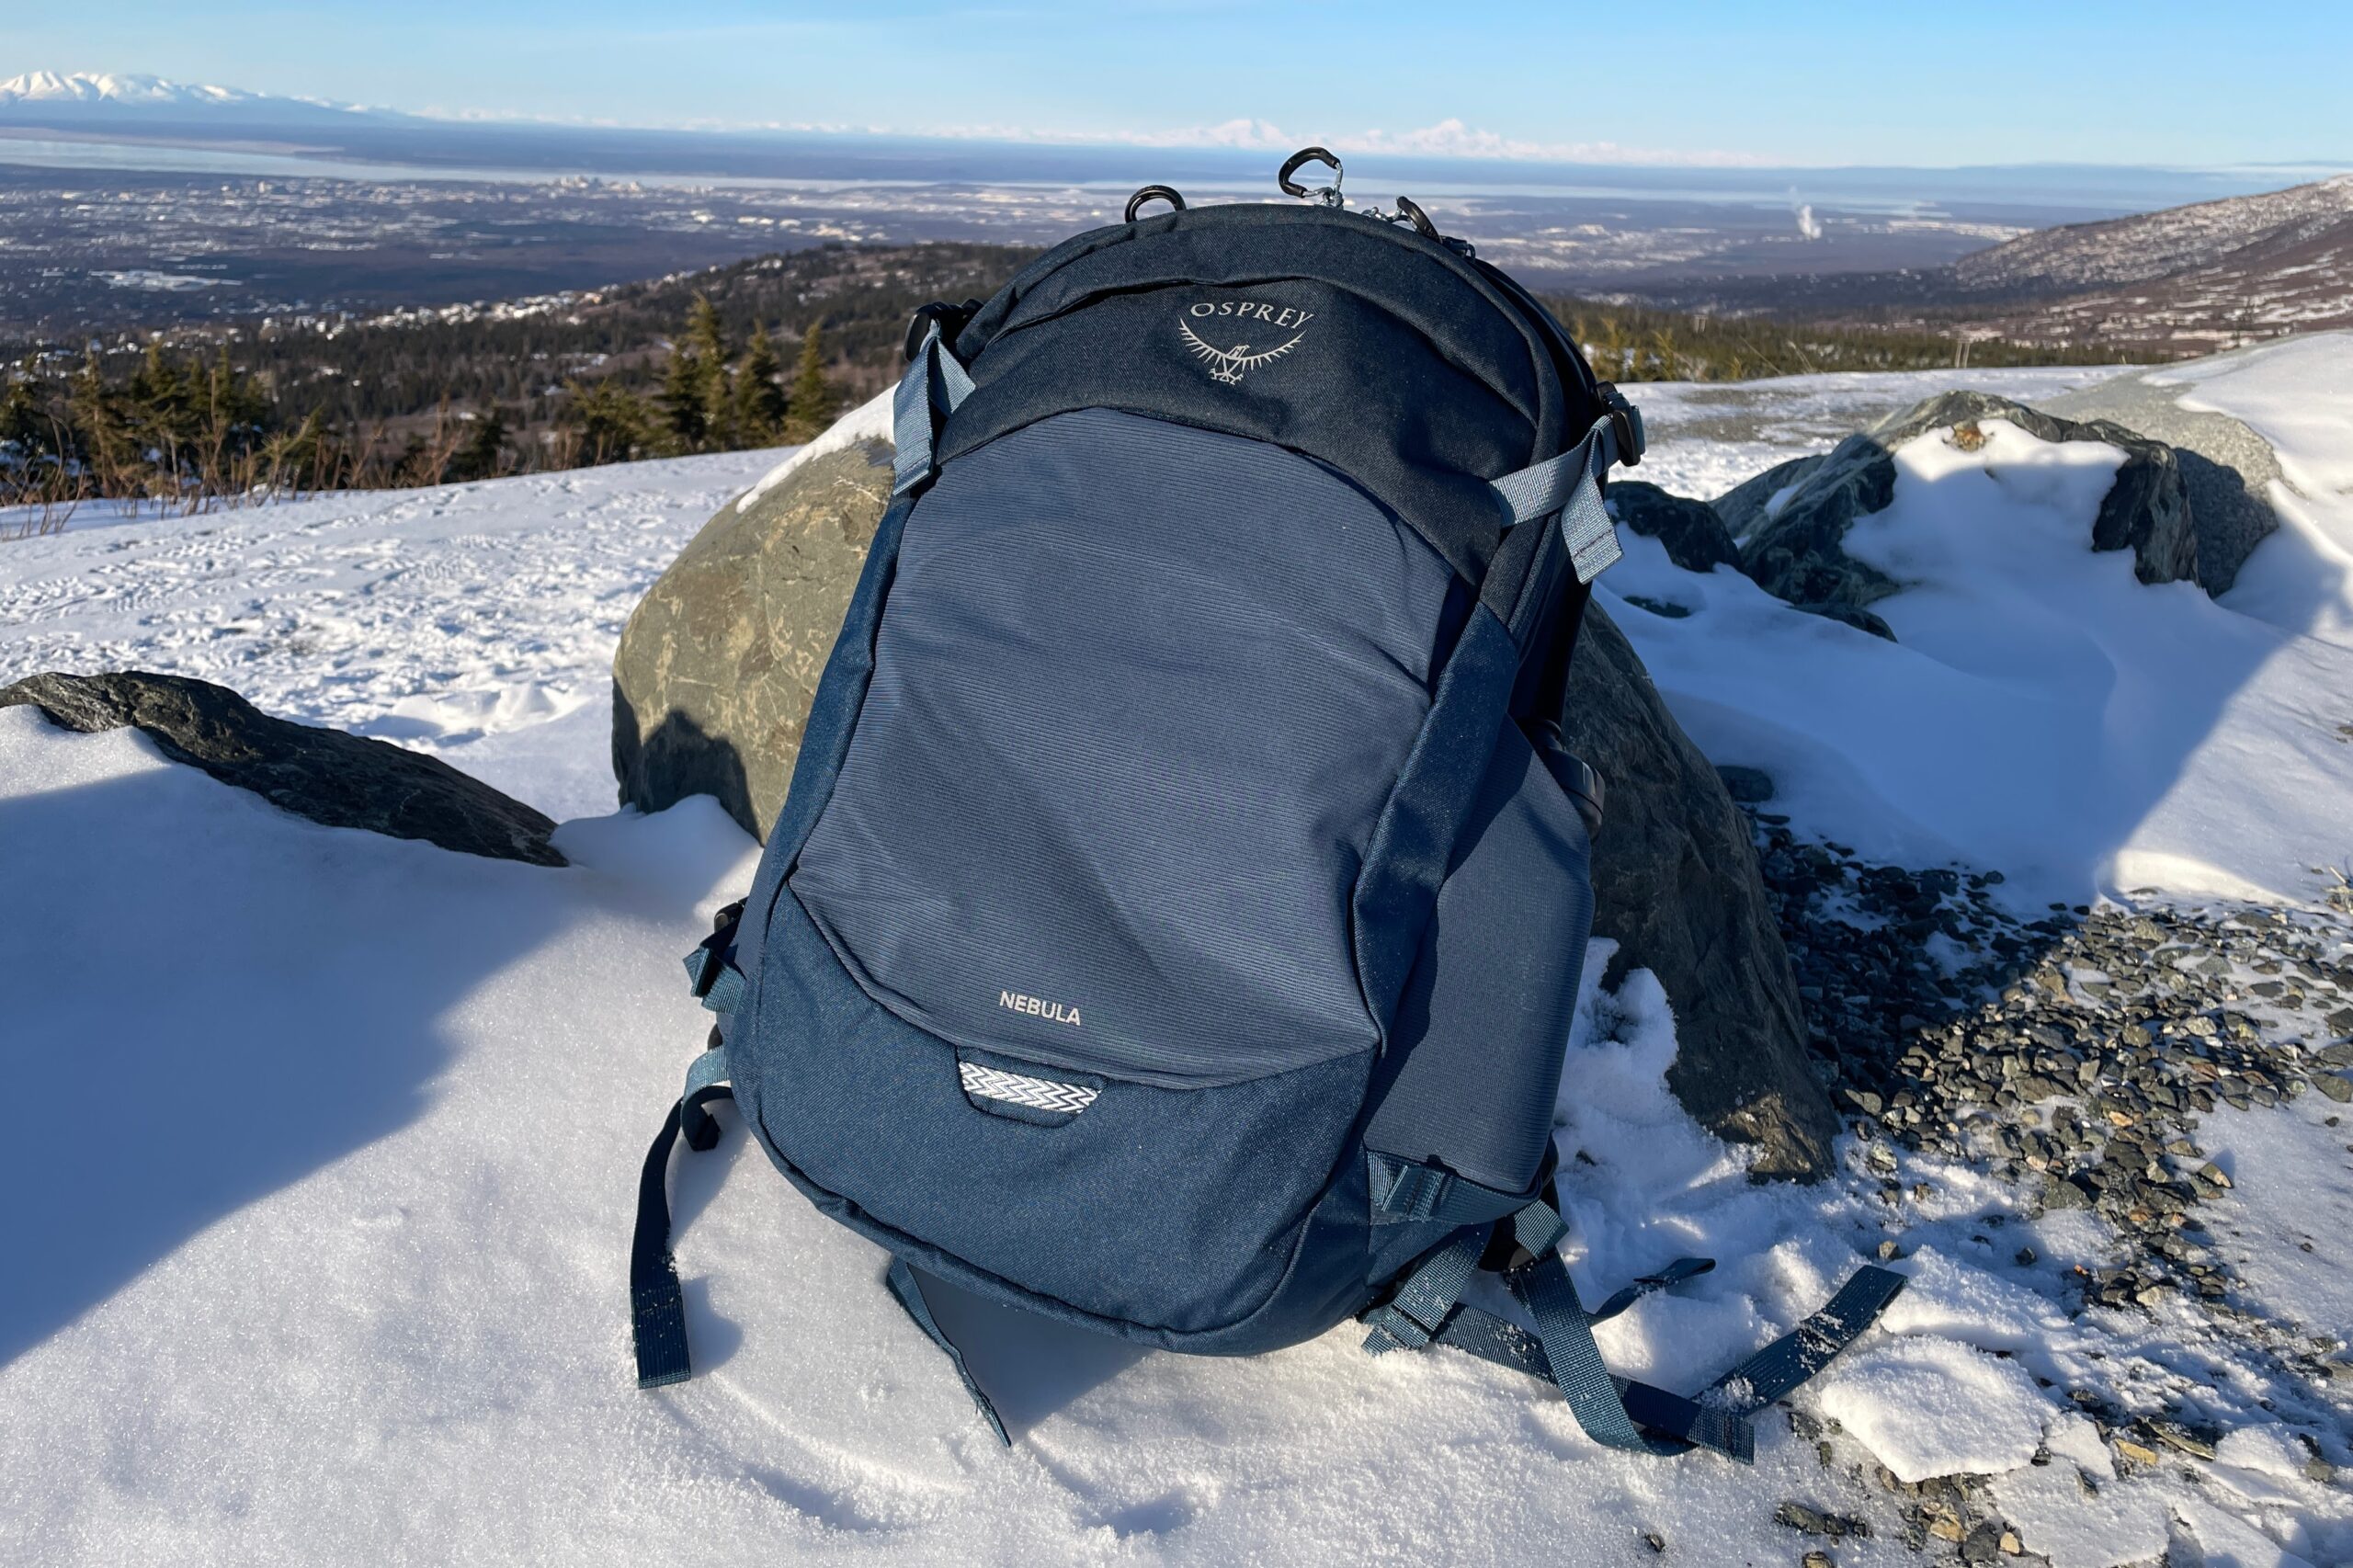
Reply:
x=1795, y=81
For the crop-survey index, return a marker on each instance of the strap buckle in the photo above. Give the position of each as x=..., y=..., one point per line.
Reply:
x=951, y=320
x=1625, y=426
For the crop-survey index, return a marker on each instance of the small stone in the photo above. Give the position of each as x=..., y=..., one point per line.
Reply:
x=2135, y=1452
x=2215, y=1174
x=2336, y=1087
x=1655, y=1541
x=1983, y=1544
x=2011, y=1545
x=1809, y=1521
x=1816, y=1559
x=1944, y=1526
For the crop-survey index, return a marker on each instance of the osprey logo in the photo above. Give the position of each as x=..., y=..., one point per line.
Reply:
x=1227, y=365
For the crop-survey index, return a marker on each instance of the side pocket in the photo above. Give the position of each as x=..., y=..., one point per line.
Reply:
x=1473, y=1064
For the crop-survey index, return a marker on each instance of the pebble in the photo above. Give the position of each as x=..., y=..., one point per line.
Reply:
x=1954, y=1063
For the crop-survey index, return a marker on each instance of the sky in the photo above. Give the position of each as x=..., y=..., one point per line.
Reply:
x=1795, y=82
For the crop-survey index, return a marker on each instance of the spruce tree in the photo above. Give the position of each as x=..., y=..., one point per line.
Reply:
x=707, y=343
x=682, y=421
x=485, y=454
x=759, y=391
x=811, y=408
x=613, y=422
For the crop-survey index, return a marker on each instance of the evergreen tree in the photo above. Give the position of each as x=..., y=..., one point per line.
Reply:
x=613, y=423
x=684, y=420
x=811, y=408
x=760, y=392
x=708, y=344
x=485, y=454
x=99, y=429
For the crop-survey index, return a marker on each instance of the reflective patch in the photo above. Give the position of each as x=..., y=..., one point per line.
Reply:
x=1038, y=1093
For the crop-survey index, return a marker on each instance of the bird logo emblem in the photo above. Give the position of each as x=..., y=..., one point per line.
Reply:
x=1227, y=365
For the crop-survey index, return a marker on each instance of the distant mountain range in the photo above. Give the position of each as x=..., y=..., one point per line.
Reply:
x=2189, y=277
x=54, y=97
x=2180, y=280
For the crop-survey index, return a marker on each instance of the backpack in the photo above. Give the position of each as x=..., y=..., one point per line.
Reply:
x=1175, y=919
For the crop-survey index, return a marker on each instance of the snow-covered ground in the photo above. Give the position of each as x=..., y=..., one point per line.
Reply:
x=319, y=1150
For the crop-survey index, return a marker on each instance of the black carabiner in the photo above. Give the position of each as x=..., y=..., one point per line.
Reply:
x=1420, y=219
x=1155, y=193
x=1330, y=194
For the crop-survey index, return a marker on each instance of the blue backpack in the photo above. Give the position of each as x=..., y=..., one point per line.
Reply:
x=1175, y=917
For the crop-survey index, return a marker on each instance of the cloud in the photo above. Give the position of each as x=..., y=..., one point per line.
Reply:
x=1446, y=139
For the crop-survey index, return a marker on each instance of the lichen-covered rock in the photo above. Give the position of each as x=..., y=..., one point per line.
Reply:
x=1795, y=548
x=716, y=672
x=325, y=775
x=1675, y=881
x=717, y=665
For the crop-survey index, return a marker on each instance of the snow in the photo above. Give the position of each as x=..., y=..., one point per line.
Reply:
x=473, y=621
x=2040, y=711
x=1929, y=1406
x=322, y=1147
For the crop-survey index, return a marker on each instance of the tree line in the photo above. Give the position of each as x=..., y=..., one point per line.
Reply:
x=691, y=363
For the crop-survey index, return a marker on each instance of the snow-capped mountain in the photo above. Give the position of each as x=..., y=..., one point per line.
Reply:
x=79, y=96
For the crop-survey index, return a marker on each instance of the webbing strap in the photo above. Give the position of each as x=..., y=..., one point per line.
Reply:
x=1789, y=1361
x=908, y=1289
x=1571, y=485
x=1699, y=1423
x=1427, y=1310
x=934, y=383
x=1574, y=1360
x=1410, y=1318
x=658, y=1304
x=1403, y=1190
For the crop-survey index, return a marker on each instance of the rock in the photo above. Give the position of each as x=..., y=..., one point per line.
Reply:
x=1811, y=1521
x=1983, y=1544
x=325, y=775
x=1797, y=554
x=1750, y=503
x=1749, y=786
x=1675, y=881
x=717, y=665
x=2227, y=467
x=1695, y=537
x=715, y=672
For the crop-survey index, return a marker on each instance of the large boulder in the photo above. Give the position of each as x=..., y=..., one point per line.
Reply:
x=1792, y=522
x=1752, y=503
x=1695, y=537
x=716, y=671
x=2226, y=467
x=1675, y=881
x=325, y=775
x=717, y=665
